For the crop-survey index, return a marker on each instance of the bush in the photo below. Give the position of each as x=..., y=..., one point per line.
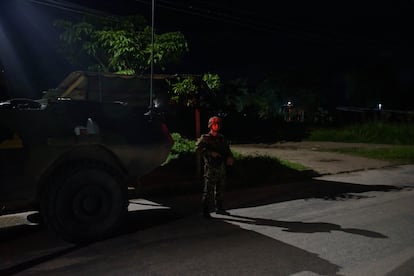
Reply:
x=182, y=147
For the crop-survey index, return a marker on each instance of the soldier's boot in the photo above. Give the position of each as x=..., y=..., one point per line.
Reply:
x=219, y=208
x=206, y=210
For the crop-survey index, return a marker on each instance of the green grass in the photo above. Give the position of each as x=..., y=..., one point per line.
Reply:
x=397, y=154
x=374, y=133
x=398, y=140
x=184, y=148
x=292, y=165
x=399, y=137
x=246, y=171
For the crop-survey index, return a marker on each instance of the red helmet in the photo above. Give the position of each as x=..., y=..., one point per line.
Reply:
x=213, y=120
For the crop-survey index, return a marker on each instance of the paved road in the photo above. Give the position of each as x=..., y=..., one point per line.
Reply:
x=341, y=223
x=348, y=224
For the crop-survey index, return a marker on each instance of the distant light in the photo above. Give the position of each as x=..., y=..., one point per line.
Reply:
x=379, y=106
x=157, y=103
x=289, y=103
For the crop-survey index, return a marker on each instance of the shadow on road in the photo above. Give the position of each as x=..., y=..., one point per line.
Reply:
x=187, y=202
x=327, y=190
x=190, y=246
x=27, y=246
x=302, y=227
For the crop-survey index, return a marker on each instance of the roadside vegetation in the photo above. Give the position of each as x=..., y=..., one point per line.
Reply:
x=389, y=142
x=397, y=154
x=397, y=140
x=372, y=133
x=181, y=173
x=184, y=148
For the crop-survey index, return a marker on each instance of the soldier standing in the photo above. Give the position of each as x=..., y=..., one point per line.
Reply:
x=217, y=155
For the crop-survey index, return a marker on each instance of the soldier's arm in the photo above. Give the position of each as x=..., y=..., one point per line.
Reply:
x=205, y=147
x=201, y=145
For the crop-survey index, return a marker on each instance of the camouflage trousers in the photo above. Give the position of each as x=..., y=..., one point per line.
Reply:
x=214, y=186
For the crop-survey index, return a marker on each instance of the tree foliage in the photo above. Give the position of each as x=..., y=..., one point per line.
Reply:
x=118, y=44
x=237, y=96
x=279, y=89
x=193, y=91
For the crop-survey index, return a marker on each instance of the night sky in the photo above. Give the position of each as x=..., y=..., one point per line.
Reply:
x=245, y=39
x=238, y=36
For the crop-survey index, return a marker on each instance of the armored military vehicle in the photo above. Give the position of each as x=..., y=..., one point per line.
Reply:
x=73, y=153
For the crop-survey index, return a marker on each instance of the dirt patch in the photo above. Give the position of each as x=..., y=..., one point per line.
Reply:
x=312, y=155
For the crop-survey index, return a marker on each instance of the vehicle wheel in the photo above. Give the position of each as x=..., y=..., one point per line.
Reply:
x=85, y=205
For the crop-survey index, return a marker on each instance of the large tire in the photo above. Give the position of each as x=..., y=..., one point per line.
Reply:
x=85, y=205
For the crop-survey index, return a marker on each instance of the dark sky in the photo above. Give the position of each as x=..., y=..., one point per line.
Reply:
x=257, y=35
x=232, y=38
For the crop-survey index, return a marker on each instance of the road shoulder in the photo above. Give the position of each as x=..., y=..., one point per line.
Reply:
x=313, y=156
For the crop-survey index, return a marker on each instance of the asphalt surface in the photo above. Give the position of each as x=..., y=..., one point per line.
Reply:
x=351, y=220
x=327, y=226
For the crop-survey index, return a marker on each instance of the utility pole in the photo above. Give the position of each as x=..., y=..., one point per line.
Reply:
x=152, y=54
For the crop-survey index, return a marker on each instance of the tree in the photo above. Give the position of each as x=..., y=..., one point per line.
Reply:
x=118, y=44
x=237, y=96
x=279, y=89
x=194, y=91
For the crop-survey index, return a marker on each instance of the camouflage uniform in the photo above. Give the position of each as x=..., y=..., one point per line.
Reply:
x=214, y=170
